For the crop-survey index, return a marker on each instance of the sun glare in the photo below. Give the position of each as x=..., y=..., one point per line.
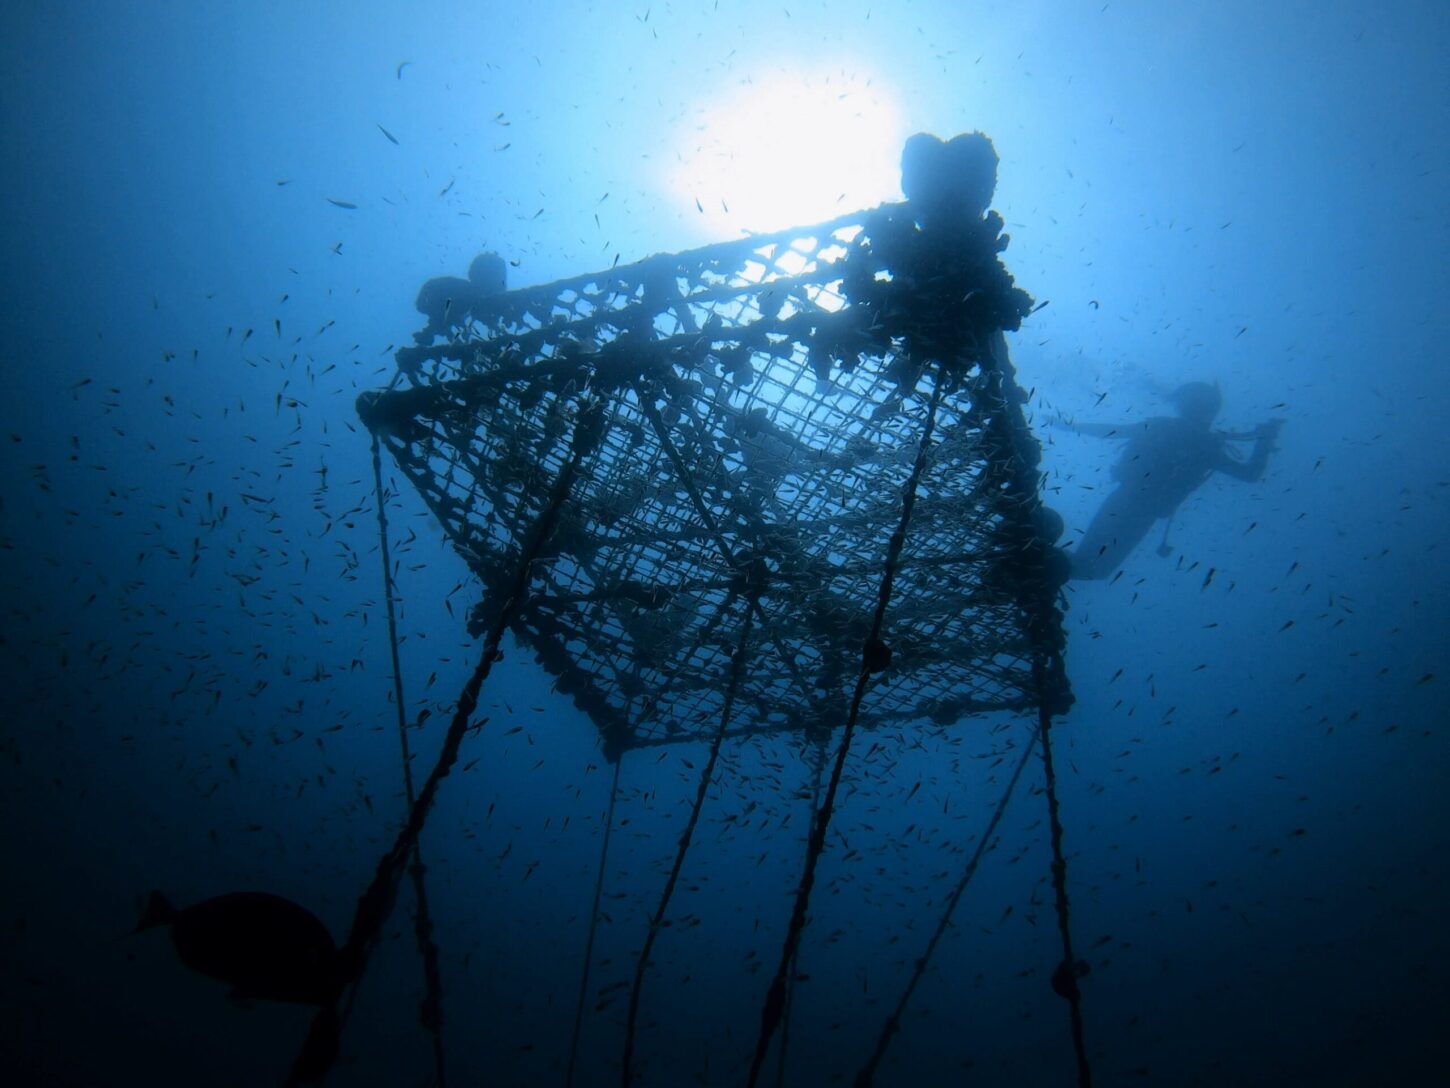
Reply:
x=788, y=150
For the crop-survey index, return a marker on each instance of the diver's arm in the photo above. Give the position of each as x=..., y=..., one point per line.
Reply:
x=1252, y=470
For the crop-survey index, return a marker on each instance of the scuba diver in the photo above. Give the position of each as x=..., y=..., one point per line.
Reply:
x=1165, y=460
x=448, y=302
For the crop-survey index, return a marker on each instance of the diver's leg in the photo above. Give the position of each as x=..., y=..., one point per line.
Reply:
x=1119, y=525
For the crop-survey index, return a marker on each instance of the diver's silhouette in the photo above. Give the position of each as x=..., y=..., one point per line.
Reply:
x=448, y=301
x=1166, y=458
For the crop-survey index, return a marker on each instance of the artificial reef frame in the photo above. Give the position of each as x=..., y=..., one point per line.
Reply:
x=758, y=406
x=778, y=484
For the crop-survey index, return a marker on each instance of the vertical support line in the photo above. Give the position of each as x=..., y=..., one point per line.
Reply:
x=774, y=1007
x=430, y=1011
x=319, y=1050
x=737, y=669
x=593, y=925
x=818, y=771
x=866, y=1077
x=1064, y=978
x=388, y=591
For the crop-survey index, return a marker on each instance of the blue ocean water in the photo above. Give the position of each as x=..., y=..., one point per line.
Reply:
x=217, y=219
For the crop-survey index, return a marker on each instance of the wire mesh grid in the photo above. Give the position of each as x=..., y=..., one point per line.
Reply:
x=765, y=401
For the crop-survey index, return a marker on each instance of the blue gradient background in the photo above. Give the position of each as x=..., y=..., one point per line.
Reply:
x=1253, y=193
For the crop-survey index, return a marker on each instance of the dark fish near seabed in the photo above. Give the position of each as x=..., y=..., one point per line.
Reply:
x=267, y=947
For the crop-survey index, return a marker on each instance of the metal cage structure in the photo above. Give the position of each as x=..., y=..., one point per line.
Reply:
x=762, y=403
x=776, y=485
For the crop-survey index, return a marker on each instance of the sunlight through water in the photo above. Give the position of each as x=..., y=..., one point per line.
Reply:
x=789, y=149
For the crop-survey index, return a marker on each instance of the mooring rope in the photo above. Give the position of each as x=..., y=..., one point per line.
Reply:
x=388, y=591
x=737, y=669
x=780, y=1055
x=319, y=1049
x=754, y=574
x=874, y=658
x=865, y=1077
x=430, y=1011
x=1064, y=978
x=593, y=925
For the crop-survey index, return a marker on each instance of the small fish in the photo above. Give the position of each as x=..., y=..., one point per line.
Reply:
x=444, y=191
x=342, y=204
x=391, y=138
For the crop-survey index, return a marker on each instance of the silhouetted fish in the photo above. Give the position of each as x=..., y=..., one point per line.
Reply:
x=267, y=947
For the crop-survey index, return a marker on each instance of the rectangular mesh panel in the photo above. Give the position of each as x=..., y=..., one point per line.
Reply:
x=764, y=404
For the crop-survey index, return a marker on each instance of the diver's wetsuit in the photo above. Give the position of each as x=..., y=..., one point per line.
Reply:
x=1166, y=459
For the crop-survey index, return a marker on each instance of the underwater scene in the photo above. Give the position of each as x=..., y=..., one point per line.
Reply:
x=725, y=543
